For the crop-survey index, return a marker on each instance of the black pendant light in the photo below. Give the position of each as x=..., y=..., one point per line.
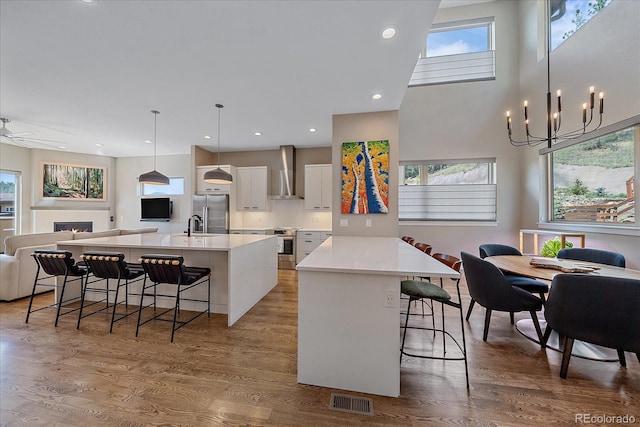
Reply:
x=217, y=175
x=154, y=177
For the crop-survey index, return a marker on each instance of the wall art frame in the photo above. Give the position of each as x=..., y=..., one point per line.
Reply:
x=365, y=177
x=63, y=181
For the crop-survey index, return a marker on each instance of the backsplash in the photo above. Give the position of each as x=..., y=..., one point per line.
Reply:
x=285, y=213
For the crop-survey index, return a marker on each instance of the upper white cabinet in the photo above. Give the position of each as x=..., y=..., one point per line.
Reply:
x=252, y=188
x=317, y=187
x=206, y=188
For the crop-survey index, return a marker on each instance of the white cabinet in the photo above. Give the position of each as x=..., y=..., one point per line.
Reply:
x=307, y=241
x=260, y=231
x=207, y=188
x=317, y=187
x=252, y=188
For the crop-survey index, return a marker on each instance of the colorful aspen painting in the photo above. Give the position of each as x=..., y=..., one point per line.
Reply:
x=365, y=177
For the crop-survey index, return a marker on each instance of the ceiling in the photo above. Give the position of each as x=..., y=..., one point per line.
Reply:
x=86, y=75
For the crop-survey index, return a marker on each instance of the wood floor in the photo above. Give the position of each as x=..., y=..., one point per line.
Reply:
x=246, y=375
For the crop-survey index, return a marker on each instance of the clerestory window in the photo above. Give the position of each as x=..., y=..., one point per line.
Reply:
x=455, y=52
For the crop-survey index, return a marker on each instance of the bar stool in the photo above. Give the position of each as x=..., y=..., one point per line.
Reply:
x=104, y=266
x=55, y=263
x=170, y=269
x=408, y=239
x=419, y=290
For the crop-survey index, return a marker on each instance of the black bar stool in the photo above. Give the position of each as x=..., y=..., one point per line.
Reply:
x=54, y=264
x=170, y=269
x=419, y=290
x=104, y=266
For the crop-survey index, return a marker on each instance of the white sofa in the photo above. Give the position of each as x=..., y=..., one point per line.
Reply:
x=18, y=268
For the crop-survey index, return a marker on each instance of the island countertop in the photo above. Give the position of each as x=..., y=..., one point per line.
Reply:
x=374, y=255
x=212, y=242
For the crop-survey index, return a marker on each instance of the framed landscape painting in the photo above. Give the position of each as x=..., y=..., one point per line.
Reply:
x=365, y=177
x=73, y=182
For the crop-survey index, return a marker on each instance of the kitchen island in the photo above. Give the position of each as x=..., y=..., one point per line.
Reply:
x=349, y=311
x=244, y=267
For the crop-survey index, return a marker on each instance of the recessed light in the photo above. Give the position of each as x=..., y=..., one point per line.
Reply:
x=62, y=147
x=388, y=33
x=257, y=133
x=148, y=142
x=376, y=96
x=313, y=130
x=207, y=137
x=99, y=145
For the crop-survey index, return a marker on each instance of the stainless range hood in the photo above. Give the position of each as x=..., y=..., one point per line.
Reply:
x=287, y=174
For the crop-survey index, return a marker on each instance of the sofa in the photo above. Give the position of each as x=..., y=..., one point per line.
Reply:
x=18, y=268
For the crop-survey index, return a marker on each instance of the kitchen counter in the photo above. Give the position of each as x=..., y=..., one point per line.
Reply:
x=244, y=267
x=349, y=311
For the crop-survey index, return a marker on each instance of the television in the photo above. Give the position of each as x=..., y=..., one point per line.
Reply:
x=155, y=209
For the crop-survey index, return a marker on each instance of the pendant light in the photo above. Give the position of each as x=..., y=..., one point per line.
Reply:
x=154, y=177
x=217, y=175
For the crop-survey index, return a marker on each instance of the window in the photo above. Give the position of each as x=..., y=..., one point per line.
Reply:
x=456, y=51
x=175, y=187
x=567, y=16
x=454, y=190
x=594, y=181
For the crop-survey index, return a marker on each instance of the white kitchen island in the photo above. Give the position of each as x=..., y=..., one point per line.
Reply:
x=349, y=312
x=244, y=267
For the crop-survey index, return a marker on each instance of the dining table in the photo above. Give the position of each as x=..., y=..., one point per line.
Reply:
x=529, y=266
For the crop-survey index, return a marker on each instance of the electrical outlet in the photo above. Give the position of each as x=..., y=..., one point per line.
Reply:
x=368, y=223
x=344, y=222
x=390, y=298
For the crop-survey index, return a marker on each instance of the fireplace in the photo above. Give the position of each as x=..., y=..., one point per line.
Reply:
x=77, y=226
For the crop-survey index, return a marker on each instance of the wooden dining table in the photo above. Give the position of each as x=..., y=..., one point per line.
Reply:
x=521, y=265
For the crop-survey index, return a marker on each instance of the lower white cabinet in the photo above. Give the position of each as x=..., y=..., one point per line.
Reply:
x=261, y=231
x=307, y=241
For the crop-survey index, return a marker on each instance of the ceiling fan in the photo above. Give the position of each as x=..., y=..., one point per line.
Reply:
x=22, y=138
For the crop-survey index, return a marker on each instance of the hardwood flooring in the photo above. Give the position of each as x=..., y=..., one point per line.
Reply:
x=246, y=375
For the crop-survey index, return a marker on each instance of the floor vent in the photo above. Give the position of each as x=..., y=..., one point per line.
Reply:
x=351, y=404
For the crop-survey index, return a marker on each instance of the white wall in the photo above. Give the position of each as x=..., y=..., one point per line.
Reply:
x=603, y=53
x=466, y=120
x=127, y=200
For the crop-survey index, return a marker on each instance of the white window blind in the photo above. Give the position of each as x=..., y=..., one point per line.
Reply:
x=471, y=202
x=454, y=68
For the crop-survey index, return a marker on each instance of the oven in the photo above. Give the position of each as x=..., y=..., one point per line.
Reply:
x=286, y=248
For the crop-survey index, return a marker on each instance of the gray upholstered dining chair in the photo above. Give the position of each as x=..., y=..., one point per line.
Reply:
x=489, y=288
x=593, y=255
x=526, y=283
x=595, y=309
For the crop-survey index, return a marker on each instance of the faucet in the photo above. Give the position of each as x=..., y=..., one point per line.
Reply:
x=198, y=219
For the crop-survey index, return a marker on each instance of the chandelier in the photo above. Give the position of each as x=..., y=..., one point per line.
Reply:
x=554, y=119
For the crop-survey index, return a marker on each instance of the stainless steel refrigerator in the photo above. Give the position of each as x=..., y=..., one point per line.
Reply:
x=214, y=211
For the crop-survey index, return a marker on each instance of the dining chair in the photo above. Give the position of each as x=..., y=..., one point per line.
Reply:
x=593, y=255
x=105, y=266
x=51, y=265
x=522, y=282
x=596, y=309
x=163, y=269
x=418, y=290
x=490, y=289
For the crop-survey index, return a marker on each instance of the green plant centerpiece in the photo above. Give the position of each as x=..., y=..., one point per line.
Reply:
x=552, y=247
